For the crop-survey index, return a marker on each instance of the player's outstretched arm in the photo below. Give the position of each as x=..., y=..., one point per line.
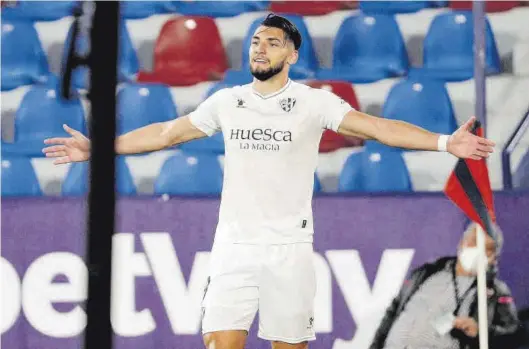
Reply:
x=462, y=143
x=157, y=136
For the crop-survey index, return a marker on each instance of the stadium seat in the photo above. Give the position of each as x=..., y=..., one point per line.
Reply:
x=367, y=48
x=425, y=103
x=39, y=11
x=143, y=104
x=448, y=48
x=128, y=60
x=23, y=59
x=237, y=77
x=390, y=7
x=18, y=177
x=143, y=9
x=331, y=140
x=307, y=63
x=368, y=171
x=184, y=174
x=41, y=115
x=305, y=8
x=317, y=185
x=212, y=145
x=76, y=182
x=490, y=6
x=188, y=50
x=218, y=8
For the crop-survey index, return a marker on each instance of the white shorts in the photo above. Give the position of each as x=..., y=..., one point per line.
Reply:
x=277, y=280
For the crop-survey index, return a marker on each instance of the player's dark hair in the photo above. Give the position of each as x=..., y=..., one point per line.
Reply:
x=290, y=30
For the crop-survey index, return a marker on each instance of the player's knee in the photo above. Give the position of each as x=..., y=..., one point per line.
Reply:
x=283, y=345
x=225, y=340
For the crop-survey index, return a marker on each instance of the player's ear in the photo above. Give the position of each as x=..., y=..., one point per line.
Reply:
x=293, y=57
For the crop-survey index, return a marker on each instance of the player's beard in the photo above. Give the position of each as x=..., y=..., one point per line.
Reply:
x=263, y=75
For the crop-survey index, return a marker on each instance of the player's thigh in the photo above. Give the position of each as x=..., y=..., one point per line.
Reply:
x=286, y=295
x=234, y=339
x=283, y=345
x=231, y=298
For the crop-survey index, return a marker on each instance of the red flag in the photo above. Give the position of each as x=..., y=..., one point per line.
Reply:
x=469, y=188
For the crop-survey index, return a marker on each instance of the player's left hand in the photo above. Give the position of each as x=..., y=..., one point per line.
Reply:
x=468, y=325
x=463, y=144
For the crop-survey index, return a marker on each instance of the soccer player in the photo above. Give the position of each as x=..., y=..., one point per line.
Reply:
x=262, y=254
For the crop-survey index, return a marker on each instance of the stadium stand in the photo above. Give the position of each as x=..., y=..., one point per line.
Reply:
x=367, y=48
x=192, y=74
x=453, y=59
x=143, y=104
x=76, y=181
x=185, y=174
x=18, y=177
x=23, y=60
x=188, y=51
x=375, y=172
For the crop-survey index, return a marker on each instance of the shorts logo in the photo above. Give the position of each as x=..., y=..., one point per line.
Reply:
x=287, y=104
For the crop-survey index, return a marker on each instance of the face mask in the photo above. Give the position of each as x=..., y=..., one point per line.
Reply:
x=468, y=257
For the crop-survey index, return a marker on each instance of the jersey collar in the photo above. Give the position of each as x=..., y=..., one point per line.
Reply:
x=283, y=89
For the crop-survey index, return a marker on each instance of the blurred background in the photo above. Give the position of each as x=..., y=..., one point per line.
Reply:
x=408, y=60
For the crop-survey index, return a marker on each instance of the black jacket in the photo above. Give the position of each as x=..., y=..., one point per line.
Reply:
x=503, y=321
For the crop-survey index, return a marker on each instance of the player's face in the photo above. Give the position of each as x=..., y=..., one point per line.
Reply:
x=270, y=52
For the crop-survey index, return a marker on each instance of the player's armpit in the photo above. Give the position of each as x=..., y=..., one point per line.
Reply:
x=180, y=130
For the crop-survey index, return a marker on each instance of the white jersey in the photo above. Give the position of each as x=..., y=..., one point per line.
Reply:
x=271, y=147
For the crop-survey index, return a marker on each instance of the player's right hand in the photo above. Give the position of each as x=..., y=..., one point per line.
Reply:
x=68, y=149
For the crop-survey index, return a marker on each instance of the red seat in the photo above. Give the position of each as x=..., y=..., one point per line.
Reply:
x=188, y=50
x=331, y=140
x=490, y=6
x=306, y=8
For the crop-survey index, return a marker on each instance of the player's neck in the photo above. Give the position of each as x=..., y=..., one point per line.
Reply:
x=271, y=85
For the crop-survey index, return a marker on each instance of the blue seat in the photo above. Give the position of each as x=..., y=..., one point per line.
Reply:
x=375, y=172
x=143, y=9
x=237, y=77
x=23, y=59
x=41, y=115
x=18, y=177
x=425, y=103
x=213, y=145
x=184, y=174
x=391, y=7
x=39, y=11
x=448, y=48
x=367, y=48
x=218, y=8
x=128, y=64
x=307, y=63
x=143, y=104
x=76, y=182
x=317, y=184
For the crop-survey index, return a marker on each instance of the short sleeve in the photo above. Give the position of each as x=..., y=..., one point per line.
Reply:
x=331, y=109
x=206, y=116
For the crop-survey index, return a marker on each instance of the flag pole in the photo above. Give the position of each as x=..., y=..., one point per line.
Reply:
x=479, y=76
x=483, y=324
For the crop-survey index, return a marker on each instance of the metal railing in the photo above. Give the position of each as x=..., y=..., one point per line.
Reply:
x=515, y=139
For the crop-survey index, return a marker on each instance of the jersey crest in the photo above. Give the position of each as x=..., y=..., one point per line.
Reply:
x=287, y=104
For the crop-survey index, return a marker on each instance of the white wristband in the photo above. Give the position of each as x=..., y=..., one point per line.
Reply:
x=442, y=142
